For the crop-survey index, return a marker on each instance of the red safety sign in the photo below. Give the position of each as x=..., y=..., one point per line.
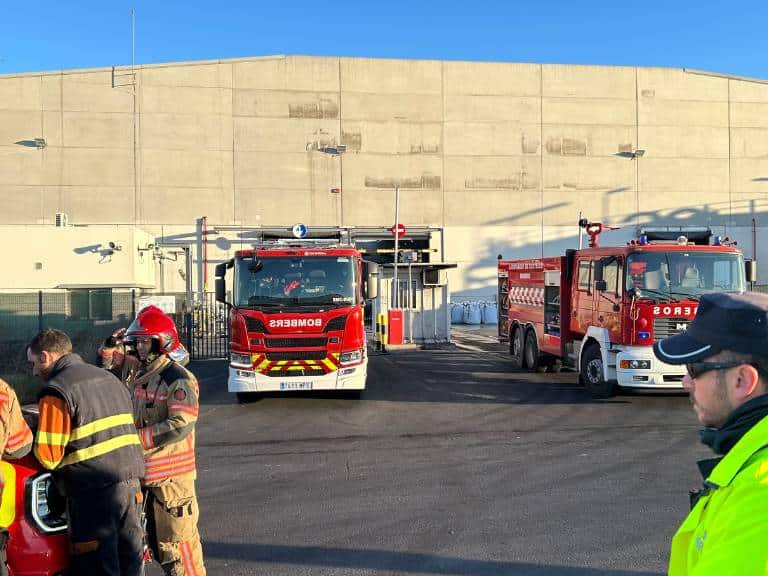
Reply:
x=398, y=230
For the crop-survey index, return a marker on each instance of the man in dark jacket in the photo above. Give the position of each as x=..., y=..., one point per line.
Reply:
x=87, y=436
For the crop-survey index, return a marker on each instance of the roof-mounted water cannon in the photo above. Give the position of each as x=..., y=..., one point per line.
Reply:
x=593, y=230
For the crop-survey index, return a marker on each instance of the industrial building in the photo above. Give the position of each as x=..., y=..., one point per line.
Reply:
x=142, y=177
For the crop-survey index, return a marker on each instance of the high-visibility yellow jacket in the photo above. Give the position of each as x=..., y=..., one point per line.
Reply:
x=727, y=530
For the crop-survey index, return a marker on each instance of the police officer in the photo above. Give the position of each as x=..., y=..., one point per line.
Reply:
x=87, y=437
x=725, y=350
x=15, y=442
x=165, y=402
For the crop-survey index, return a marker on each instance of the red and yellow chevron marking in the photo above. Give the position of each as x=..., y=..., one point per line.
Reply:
x=327, y=365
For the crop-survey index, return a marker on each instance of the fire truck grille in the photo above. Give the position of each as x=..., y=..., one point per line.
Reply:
x=295, y=342
x=666, y=327
x=285, y=373
x=297, y=355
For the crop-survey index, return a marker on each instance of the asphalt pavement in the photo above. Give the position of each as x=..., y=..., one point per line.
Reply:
x=451, y=463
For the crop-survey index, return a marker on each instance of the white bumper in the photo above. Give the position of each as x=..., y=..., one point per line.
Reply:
x=345, y=378
x=660, y=376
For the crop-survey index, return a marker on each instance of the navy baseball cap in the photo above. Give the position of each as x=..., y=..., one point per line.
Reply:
x=734, y=322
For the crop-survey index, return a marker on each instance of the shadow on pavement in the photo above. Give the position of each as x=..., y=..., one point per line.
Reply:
x=395, y=562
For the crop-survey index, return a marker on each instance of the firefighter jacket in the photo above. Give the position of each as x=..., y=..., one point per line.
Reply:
x=15, y=435
x=15, y=442
x=165, y=405
x=727, y=530
x=86, y=430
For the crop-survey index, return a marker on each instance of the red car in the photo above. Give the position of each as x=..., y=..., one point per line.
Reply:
x=31, y=508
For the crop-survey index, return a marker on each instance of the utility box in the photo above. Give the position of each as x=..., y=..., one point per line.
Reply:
x=394, y=326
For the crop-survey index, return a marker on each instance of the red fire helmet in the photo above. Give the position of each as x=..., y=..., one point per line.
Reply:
x=153, y=322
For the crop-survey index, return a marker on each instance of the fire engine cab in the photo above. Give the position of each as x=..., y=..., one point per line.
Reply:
x=600, y=309
x=296, y=317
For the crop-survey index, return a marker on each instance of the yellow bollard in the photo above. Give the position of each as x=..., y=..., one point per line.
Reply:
x=383, y=331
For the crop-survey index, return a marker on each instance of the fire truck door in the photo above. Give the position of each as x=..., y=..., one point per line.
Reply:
x=582, y=297
x=607, y=296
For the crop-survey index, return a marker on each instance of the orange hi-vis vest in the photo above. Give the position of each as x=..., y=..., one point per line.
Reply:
x=15, y=435
x=166, y=404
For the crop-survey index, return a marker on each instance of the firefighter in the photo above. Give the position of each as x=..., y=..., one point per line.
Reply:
x=15, y=442
x=120, y=358
x=165, y=402
x=87, y=437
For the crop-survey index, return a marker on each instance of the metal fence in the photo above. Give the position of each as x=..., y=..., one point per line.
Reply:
x=89, y=316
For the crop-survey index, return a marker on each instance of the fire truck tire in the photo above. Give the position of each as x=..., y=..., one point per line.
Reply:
x=532, y=356
x=516, y=345
x=591, y=373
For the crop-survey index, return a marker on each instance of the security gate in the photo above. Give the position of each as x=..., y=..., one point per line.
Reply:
x=207, y=329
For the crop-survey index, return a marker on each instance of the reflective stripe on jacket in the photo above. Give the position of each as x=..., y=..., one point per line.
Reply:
x=727, y=530
x=101, y=446
x=166, y=405
x=15, y=435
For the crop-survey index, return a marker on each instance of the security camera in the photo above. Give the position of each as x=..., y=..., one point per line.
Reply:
x=116, y=246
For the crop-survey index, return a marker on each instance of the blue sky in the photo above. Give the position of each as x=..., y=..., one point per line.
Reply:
x=727, y=37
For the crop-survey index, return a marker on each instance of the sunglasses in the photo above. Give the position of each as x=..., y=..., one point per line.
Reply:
x=698, y=369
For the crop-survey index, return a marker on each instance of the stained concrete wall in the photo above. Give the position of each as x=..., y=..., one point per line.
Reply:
x=502, y=155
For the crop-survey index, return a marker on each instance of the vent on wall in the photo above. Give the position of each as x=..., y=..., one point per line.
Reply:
x=61, y=219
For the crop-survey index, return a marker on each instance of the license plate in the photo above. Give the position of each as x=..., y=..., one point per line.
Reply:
x=295, y=385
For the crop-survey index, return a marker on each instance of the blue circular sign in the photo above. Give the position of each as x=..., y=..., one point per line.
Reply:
x=300, y=230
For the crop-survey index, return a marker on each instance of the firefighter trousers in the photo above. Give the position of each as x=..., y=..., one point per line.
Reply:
x=105, y=531
x=172, y=515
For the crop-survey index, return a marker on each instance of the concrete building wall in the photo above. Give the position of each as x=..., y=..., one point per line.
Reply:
x=503, y=156
x=47, y=257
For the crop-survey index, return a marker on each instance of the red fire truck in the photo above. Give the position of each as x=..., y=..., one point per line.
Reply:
x=296, y=317
x=600, y=309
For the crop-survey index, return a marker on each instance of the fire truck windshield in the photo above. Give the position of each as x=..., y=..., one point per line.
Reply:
x=681, y=274
x=295, y=281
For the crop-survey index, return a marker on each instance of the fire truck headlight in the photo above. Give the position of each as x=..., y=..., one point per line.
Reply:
x=240, y=360
x=635, y=364
x=45, y=507
x=351, y=357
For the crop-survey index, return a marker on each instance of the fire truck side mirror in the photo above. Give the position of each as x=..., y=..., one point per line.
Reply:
x=221, y=287
x=601, y=285
x=370, y=280
x=750, y=270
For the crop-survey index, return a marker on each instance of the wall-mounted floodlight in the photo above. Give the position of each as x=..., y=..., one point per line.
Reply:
x=638, y=153
x=40, y=143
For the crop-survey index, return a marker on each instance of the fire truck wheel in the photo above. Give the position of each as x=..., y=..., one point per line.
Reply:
x=592, y=373
x=516, y=344
x=532, y=357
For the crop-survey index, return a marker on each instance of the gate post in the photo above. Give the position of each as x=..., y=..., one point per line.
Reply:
x=40, y=310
